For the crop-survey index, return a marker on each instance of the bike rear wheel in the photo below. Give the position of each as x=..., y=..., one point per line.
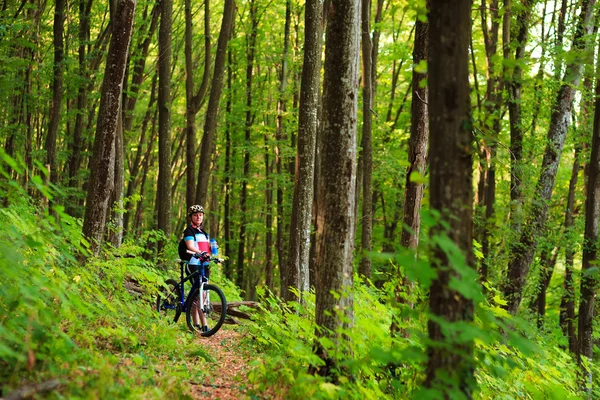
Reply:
x=214, y=307
x=167, y=300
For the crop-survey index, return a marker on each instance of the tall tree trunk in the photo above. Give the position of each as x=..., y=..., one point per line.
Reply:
x=103, y=158
x=146, y=164
x=136, y=164
x=450, y=366
x=227, y=236
x=366, y=240
x=490, y=124
x=138, y=58
x=282, y=224
x=514, y=82
x=210, y=123
x=268, y=258
x=297, y=272
x=77, y=147
x=589, y=273
x=418, y=142
x=116, y=201
x=57, y=83
x=250, y=54
x=535, y=224
x=417, y=157
x=336, y=190
x=567, y=302
x=164, y=119
x=193, y=101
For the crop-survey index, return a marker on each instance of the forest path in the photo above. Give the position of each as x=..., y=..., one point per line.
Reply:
x=226, y=379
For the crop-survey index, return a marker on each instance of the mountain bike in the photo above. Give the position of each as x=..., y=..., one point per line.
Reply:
x=204, y=296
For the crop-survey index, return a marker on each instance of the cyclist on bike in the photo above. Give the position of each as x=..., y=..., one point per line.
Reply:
x=197, y=241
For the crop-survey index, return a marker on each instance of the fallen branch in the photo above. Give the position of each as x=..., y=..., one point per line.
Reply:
x=30, y=390
x=233, y=311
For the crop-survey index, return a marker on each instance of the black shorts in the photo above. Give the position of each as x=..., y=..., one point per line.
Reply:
x=204, y=271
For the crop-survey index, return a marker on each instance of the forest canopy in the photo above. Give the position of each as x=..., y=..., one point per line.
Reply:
x=439, y=159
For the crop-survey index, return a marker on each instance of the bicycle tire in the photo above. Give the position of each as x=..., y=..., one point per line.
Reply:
x=215, y=310
x=167, y=300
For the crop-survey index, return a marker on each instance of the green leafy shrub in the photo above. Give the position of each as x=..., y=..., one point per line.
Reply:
x=68, y=317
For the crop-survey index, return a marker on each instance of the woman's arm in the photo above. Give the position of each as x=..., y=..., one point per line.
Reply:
x=191, y=245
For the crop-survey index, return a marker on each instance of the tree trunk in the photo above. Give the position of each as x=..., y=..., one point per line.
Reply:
x=490, y=123
x=103, y=158
x=337, y=179
x=589, y=273
x=567, y=301
x=115, y=212
x=227, y=236
x=250, y=53
x=513, y=83
x=268, y=259
x=280, y=136
x=524, y=251
x=139, y=159
x=210, y=123
x=418, y=142
x=78, y=142
x=366, y=240
x=164, y=120
x=297, y=272
x=417, y=158
x=57, y=83
x=193, y=101
x=450, y=366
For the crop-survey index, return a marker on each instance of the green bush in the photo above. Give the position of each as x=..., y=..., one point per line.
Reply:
x=67, y=317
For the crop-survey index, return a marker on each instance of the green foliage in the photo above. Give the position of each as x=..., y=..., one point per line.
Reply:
x=66, y=316
x=510, y=358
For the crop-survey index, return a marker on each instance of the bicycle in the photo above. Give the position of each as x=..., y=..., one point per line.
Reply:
x=172, y=299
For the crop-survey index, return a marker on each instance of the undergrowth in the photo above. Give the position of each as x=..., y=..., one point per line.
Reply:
x=67, y=321
x=512, y=359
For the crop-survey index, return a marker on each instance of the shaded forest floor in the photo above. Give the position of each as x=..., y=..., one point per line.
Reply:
x=225, y=380
x=228, y=368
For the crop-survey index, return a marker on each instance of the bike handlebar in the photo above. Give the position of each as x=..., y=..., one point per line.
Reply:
x=205, y=256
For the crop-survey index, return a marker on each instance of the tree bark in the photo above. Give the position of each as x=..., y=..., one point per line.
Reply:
x=524, y=251
x=77, y=147
x=297, y=272
x=366, y=240
x=418, y=142
x=193, y=101
x=210, y=123
x=103, y=158
x=227, y=236
x=514, y=83
x=490, y=124
x=241, y=280
x=567, y=302
x=337, y=174
x=280, y=136
x=164, y=119
x=57, y=91
x=139, y=159
x=589, y=274
x=417, y=159
x=450, y=366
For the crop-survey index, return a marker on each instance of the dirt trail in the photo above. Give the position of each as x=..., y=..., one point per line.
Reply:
x=226, y=381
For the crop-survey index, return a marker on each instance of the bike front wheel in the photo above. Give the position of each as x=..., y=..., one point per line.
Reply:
x=167, y=301
x=212, y=304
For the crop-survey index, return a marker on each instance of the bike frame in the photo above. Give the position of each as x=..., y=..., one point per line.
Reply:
x=183, y=299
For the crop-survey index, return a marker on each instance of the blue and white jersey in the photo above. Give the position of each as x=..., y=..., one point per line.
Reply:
x=200, y=237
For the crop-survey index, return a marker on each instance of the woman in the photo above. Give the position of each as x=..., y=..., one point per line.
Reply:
x=197, y=242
